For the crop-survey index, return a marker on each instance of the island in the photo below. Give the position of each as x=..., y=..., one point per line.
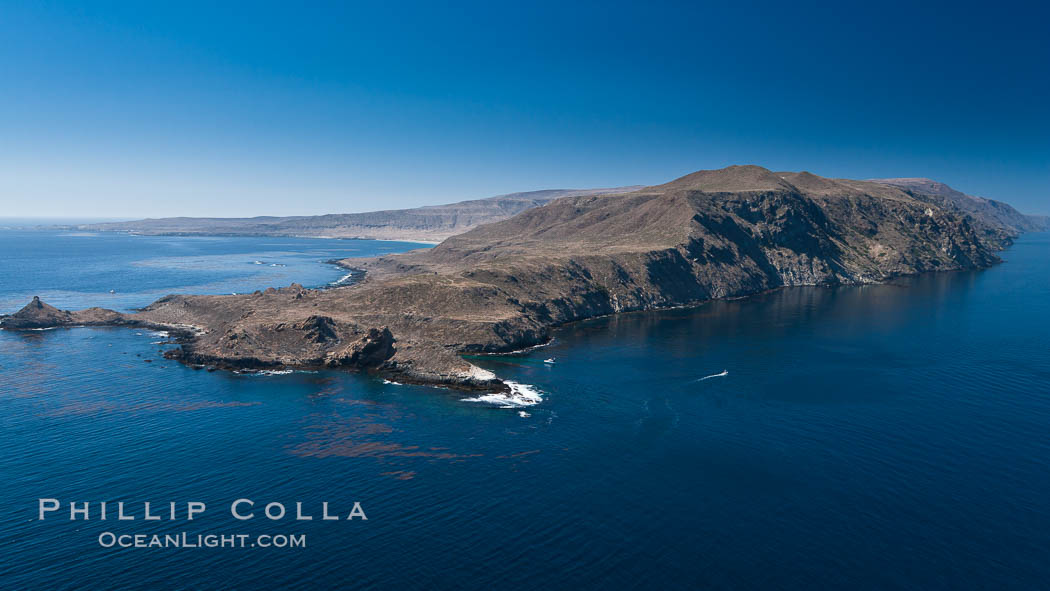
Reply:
x=432, y=223
x=502, y=287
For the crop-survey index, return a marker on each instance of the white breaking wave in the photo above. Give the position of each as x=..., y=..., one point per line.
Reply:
x=724, y=373
x=263, y=372
x=520, y=395
x=342, y=279
x=392, y=383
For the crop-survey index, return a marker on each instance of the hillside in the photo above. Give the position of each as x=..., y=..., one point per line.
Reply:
x=502, y=286
x=994, y=213
x=437, y=222
x=427, y=224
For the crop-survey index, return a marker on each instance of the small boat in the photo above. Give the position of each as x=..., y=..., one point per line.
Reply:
x=551, y=360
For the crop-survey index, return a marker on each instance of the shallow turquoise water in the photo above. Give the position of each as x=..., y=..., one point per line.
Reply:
x=870, y=437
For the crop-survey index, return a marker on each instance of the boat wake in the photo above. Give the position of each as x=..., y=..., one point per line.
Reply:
x=724, y=373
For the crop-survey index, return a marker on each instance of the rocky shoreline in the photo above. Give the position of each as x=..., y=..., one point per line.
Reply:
x=502, y=287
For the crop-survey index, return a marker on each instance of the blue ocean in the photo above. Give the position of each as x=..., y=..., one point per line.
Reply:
x=877, y=437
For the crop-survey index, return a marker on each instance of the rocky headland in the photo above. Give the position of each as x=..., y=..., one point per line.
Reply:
x=503, y=286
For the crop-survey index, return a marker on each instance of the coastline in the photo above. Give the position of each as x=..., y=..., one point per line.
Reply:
x=503, y=287
x=67, y=228
x=185, y=336
x=189, y=234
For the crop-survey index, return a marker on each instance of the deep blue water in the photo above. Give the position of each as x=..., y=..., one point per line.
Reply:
x=878, y=437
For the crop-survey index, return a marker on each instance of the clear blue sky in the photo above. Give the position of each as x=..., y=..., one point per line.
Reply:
x=186, y=108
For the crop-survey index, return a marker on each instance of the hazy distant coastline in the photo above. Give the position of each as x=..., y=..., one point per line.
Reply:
x=51, y=223
x=433, y=224
x=430, y=224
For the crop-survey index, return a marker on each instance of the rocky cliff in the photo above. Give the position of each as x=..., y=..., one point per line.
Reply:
x=502, y=286
x=995, y=214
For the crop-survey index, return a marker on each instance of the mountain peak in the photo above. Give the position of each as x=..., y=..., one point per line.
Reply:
x=736, y=178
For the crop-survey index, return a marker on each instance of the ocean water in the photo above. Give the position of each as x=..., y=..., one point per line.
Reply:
x=877, y=437
x=122, y=271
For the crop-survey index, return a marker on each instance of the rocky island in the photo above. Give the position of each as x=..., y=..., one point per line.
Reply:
x=503, y=286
